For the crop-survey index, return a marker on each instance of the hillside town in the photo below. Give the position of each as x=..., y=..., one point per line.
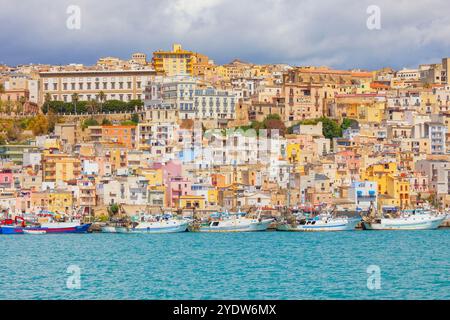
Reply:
x=178, y=132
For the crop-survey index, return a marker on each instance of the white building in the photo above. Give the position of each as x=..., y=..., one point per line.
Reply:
x=123, y=85
x=185, y=96
x=364, y=194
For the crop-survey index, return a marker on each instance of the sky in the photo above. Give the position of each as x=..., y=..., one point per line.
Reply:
x=298, y=32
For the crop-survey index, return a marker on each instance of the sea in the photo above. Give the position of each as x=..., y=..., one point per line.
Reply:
x=255, y=265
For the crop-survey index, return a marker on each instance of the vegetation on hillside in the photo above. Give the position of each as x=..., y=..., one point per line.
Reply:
x=91, y=107
x=330, y=127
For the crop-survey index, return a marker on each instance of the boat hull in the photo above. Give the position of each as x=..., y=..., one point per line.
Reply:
x=349, y=225
x=48, y=229
x=237, y=227
x=403, y=224
x=109, y=229
x=147, y=228
x=11, y=230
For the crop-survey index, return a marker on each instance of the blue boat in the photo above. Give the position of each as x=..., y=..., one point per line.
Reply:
x=55, y=227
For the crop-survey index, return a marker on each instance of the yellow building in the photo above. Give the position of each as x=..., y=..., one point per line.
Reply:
x=393, y=188
x=293, y=152
x=51, y=143
x=370, y=113
x=428, y=102
x=175, y=62
x=190, y=202
x=60, y=201
x=154, y=176
x=213, y=196
x=60, y=167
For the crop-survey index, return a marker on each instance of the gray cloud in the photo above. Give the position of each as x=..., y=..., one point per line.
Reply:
x=300, y=32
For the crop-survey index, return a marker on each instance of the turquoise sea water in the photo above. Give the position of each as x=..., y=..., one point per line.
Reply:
x=265, y=265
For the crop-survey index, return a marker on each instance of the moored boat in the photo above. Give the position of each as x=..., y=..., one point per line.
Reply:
x=157, y=224
x=47, y=227
x=417, y=219
x=321, y=222
x=109, y=229
x=224, y=222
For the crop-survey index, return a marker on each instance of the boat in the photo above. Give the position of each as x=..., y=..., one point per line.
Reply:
x=165, y=223
x=116, y=226
x=109, y=229
x=322, y=222
x=34, y=232
x=239, y=222
x=49, y=227
x=415, y=219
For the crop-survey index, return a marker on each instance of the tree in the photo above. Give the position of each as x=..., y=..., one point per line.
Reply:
x=89, y=122
x=75, y=98
x=135, y=118
x=13, y=132
x=92, y=106
x=8, y=107
x=106, y=122
x=347, y=123
x=275, y=124
x=47, y=97
x=39, y=125
x=52, y=119
x=330, y=128
x=21, y=105
x=101, y=97
x=113, y=209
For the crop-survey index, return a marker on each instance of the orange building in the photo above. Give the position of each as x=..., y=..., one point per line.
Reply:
x=218, y=180
x=121, y=134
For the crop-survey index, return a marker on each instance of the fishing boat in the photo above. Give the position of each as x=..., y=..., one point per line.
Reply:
x=49, y=227
x=116, y=225
x=109, y=229
x=416, y=219
x=239, y=222
x=157, y=224
x=322, y=222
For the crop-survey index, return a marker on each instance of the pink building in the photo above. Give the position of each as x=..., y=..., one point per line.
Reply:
x=6, y=179
x=172, y=168
x=348, y=164
x=177, y=187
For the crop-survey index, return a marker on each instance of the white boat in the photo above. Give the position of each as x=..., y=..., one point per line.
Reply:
x=159, y=224
x=322, y=222
x=407, y=220
x=109, y=229
x=34, y=232
x=234, y=223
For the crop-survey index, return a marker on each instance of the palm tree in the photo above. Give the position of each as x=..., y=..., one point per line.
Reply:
x=2, y=91
x=47, y=99
x=8, y=108
x=21, y=105
x=75, y=98
x=101, y=97
x=92, y=106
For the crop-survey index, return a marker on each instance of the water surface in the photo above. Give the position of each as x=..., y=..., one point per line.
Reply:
x=263, y=265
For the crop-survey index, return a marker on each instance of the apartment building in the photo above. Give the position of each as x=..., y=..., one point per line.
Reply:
x=123, y=135
x=123, y=85
x=189, y=99
x=60, y=168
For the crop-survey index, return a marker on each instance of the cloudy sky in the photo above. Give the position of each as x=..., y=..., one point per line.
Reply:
x=298, y=32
